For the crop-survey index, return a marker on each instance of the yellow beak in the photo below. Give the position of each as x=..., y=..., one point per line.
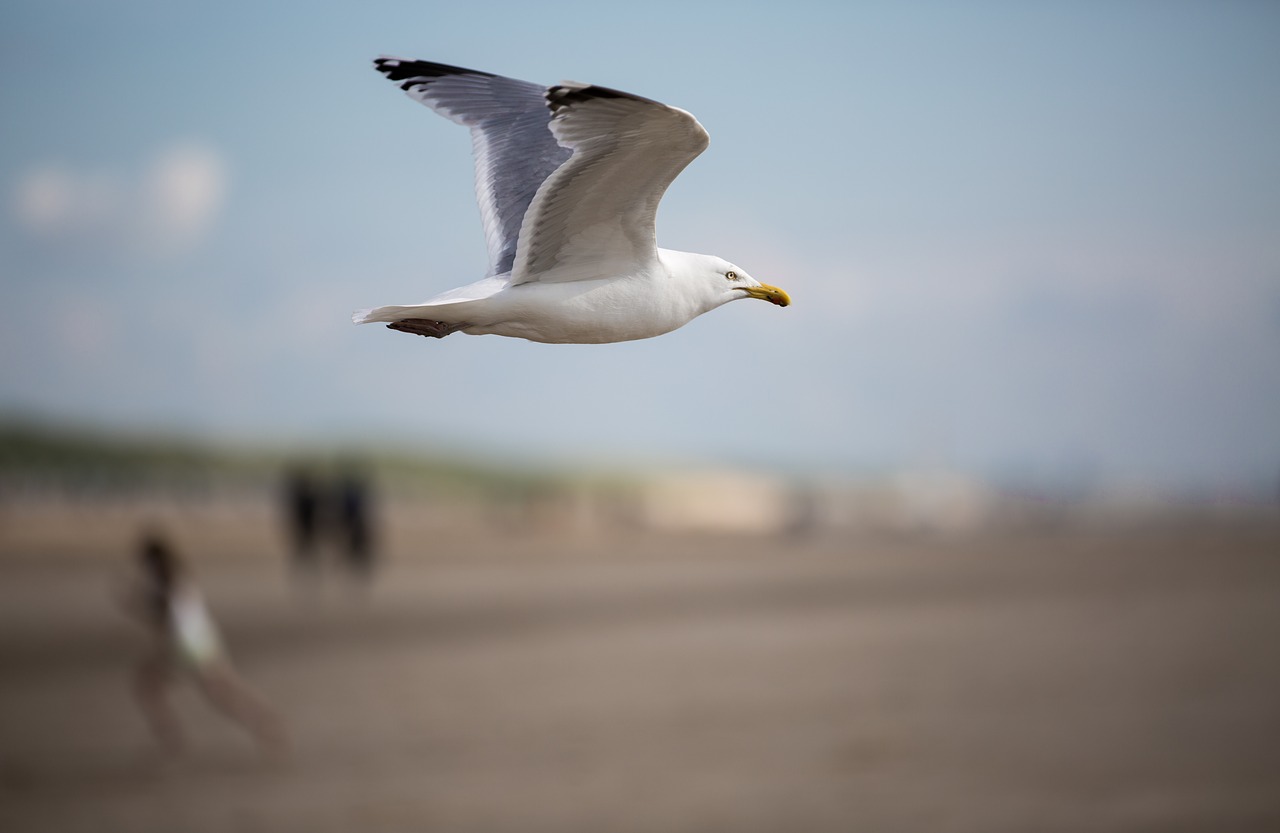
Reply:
x=772, y=294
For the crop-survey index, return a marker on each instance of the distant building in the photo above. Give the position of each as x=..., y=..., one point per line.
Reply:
x=715, y=501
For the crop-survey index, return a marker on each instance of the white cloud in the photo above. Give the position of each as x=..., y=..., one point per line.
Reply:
x=165, y=210
x=184, y=192
x=53, y=200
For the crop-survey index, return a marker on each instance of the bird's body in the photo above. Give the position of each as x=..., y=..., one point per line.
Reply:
x=568, y=179
x=586, y=311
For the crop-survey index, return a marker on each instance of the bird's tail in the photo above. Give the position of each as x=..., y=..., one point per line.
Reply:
x=382, y=314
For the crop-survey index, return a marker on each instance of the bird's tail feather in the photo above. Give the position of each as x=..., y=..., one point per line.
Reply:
x=382, y=314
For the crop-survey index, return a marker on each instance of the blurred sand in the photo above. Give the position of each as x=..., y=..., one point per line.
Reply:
x=1048, y=682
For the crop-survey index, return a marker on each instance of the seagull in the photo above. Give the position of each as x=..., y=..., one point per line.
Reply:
x=568, y=178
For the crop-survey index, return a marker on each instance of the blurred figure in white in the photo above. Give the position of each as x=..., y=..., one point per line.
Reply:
x=185, y=643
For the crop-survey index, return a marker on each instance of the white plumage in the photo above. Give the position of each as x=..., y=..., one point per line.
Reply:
x=568, y=179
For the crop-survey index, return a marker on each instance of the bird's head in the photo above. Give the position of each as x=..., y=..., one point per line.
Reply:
x=723, y=281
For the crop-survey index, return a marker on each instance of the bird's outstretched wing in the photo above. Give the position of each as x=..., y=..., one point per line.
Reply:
x=596, y=211
x=514, y=149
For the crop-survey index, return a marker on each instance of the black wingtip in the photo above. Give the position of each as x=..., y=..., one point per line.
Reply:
x=412, y=72
x=566, y=95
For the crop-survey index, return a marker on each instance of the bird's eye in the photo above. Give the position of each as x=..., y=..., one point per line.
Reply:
x=733, y=276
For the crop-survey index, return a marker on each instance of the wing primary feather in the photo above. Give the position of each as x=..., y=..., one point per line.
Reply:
x=571, y=92
x=413, y=73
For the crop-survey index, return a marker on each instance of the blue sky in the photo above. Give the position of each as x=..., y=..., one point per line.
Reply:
x=1037, y=241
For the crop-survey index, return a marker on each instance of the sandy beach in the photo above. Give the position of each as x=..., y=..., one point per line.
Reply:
x=1047, y=681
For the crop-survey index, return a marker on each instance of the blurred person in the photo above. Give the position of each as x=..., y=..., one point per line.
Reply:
x=185, y=643
x=302, y=506
x=353, y=524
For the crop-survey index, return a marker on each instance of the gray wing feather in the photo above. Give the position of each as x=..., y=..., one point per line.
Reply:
x=514, y=148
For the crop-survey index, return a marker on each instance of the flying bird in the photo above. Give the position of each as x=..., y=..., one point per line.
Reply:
x=568, y=178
